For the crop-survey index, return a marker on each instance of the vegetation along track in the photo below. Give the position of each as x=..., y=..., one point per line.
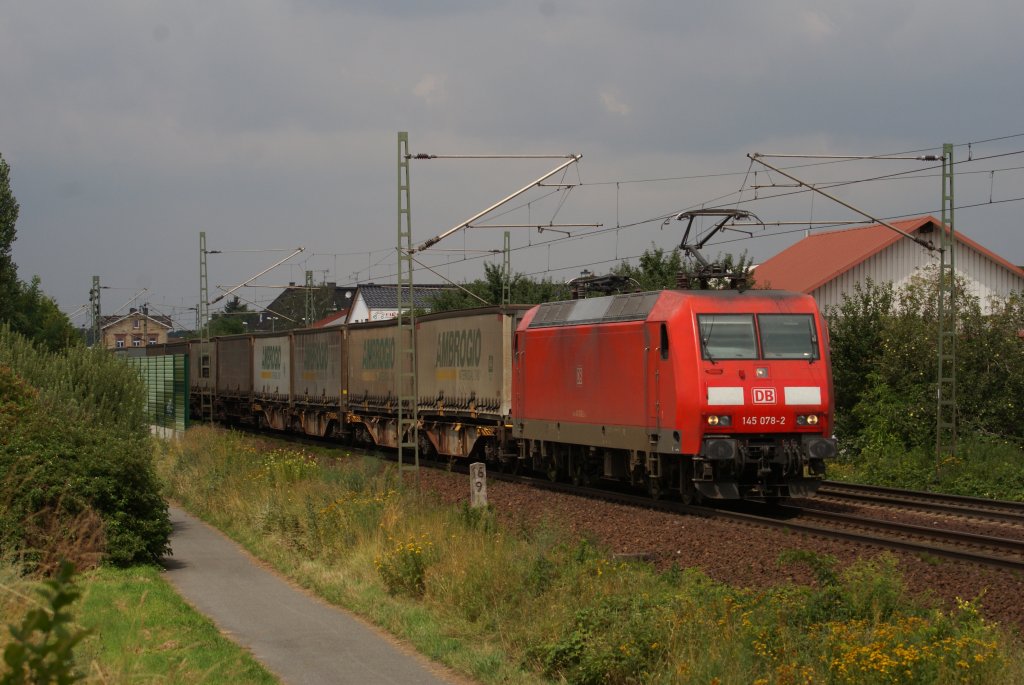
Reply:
x=807, y=516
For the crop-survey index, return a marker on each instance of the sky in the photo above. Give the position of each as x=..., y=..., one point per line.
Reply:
x=130, y=126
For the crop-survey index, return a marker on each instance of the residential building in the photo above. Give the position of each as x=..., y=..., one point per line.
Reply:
x=137, y=328
x=829, y=265
x=374, y=302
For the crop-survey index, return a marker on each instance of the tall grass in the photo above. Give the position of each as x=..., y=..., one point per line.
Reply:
x=537, y=605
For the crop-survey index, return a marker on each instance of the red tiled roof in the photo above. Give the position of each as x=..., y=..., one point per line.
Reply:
x=331, y=319
x=817, y=259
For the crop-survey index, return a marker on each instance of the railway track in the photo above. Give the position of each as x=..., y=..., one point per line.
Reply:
x=986, y=550
x=957, y=505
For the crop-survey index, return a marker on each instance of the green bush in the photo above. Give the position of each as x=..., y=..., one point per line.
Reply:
x=403, y=565
x=73, y=439
x=885, y=370
x=41, y=650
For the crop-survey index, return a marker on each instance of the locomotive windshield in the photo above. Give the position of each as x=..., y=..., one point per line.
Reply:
x=733, y=336
x=727, y=336
x=788, y=336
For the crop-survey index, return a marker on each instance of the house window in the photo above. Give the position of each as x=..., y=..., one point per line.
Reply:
x=152, y=340
x=119, y=343
x=136, y=323
x=136, y=341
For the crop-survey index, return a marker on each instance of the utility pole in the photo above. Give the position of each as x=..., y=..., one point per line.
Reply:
x=203, y=312
x=405, y=346
x=203, y=309
x=946, y=305
x=309, y=299
x=96, y=311
x=946, y=418
x=506, y=271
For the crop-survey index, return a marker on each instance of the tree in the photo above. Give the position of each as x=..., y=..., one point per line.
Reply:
x=655, y=270
x=8, y=217
x=230, y=321
x=856, y=328
x=885, y=366
x=660, y=270
x=488, y=291
x=38, y=318
x=235, y=305
x=24, y=306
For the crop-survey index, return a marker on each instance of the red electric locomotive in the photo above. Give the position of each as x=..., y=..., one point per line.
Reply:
x=720, y=394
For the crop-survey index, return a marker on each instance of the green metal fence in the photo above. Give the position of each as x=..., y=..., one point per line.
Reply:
x=167, y=385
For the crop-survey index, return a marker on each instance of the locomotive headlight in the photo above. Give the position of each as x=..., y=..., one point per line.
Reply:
x=812, y=419
x=719, y=420
x=712, y=420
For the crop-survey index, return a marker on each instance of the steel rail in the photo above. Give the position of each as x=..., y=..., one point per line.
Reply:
x=976, y=507
x=793, y=525
x=910, y=529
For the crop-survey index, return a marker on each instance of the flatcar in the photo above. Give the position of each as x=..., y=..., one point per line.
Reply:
x=714, y=394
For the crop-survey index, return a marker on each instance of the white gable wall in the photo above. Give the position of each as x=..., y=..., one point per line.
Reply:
x=359, y=312
x=897, y=263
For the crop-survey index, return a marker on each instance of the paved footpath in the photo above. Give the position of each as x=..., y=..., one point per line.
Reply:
x=301, y=639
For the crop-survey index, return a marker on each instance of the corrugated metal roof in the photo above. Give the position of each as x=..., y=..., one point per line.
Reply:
x=820, y=258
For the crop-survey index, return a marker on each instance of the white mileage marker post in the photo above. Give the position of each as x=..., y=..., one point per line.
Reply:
x=478, y=484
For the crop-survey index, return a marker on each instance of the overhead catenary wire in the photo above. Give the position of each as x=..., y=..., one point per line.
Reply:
x=825, y=225
x=736, y=197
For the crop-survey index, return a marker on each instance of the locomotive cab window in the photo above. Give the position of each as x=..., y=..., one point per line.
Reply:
x=788, y=336
x=727, y=336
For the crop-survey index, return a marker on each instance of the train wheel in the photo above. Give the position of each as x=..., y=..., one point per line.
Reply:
x=578, y=476
x=687, y=489
x=552, y=471
x=655, y=489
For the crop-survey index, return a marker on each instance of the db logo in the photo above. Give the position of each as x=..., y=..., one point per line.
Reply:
x=764, y=395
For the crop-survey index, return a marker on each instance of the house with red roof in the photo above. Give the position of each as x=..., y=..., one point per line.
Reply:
x=828, y=265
